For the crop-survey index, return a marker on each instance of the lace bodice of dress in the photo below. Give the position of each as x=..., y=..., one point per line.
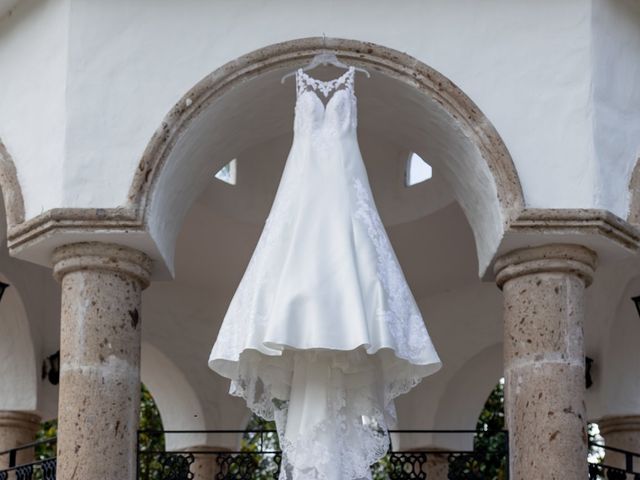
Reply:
x=312, y=116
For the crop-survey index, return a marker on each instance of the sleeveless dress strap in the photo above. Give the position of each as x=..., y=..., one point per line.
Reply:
x=304, y=82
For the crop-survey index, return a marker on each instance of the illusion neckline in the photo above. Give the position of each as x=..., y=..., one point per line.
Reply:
x=323, y=105
x=333, y=80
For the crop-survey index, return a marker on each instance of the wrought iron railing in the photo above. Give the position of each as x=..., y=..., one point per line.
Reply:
x=11, y=468
x=263, y=462
x=615, y=464
x=260, y=457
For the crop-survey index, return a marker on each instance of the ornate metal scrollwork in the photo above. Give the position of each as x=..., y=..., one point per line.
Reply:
x=465, y=466
x=48, y=469
x=176, y=466
x=24, y=472
x=244, y=466
x=405, y=466
x=605, y=472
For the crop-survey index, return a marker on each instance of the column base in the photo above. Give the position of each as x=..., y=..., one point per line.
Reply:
x=205, y=465
x=437, y=465
x=623, y=432
x=17, y=429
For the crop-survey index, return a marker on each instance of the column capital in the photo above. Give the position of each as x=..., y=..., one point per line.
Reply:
x=619, y=423
x=102, y=256
x=23, y=420
x=17, y=428
x=553, y=258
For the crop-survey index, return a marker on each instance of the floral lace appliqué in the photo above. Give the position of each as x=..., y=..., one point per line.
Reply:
x=403, y=317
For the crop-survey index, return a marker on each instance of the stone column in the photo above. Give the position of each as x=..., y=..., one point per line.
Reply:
x=205, y=465
x=17, y=429
x=437, y=466
x=544, y=366
x=620, y=432
x=99, y=397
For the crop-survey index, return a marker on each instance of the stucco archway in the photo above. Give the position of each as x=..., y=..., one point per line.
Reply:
x=181, y=403
x=469, y=389
x=619, y=394
x=177, y=402
x=460, y=403
x=442, y=122
x=18, y=373
x=10, y=188
x=633, y=215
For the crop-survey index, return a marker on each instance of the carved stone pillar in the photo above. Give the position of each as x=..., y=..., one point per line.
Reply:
x=17, y=429
x=620, y=432
x=99, y=397
x=544, y=302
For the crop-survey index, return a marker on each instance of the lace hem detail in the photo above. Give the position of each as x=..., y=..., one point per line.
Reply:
x=342, y=405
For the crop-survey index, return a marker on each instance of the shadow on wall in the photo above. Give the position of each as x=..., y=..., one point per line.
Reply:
x=177, y=401
x=18, y=372
x=620, y=392
x=466, y=395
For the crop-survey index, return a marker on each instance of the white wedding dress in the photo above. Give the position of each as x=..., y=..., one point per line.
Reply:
x=323, y=332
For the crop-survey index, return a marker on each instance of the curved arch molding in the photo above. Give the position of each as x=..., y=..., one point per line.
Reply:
x=494, y=206
x=11, y=191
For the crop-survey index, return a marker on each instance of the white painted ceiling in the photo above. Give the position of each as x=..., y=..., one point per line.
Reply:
x=427, y=228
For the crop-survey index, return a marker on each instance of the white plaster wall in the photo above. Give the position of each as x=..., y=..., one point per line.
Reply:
x=6, y=6
x=178, y=330
x=526, y=65
x=620, y=377
x=176, y=400
x=465, y=325
x=603, y=299
x=18, y=384
x=29, y=332
x=33, y=58
x=616, y=98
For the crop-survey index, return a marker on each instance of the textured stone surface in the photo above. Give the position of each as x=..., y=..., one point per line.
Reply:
x=634, y=190
x=17, y=429
x=10, y=189
x=621, y=432
x=590, y=223
x=100, y=359
x=544, y=301
x=205, y=466
x=437, y=466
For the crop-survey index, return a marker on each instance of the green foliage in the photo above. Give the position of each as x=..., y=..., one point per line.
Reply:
x=263, y=466
x=149, y=442
x=489, y=460
x=48, y=430
x=492, y=447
